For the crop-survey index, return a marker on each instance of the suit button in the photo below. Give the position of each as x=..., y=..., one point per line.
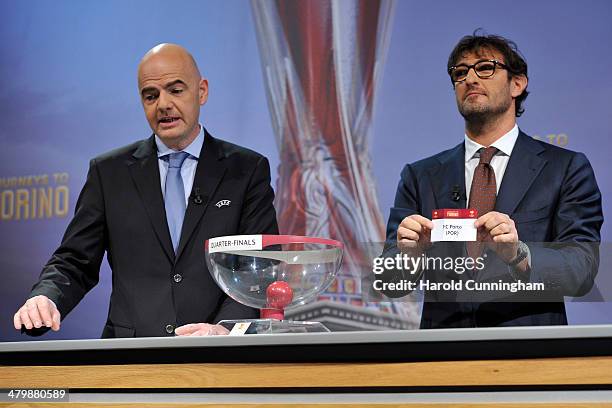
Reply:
x=177, y=278
x=169, y=328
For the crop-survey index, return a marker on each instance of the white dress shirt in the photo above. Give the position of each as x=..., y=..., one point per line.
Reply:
x=189, y=165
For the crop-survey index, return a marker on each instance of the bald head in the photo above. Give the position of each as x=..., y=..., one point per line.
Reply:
x=171, y=56
x=172, y=91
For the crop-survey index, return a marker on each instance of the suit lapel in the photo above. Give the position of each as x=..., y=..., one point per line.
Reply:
x=145, y=173
x=524, y=166
x=449, y=179
x=209, y=172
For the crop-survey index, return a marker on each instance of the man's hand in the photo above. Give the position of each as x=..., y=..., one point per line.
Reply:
x=201, y=329
x=500, y=231
x=37, y=312
x=414, y=234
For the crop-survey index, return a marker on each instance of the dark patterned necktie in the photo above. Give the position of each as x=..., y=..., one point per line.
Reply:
x=483, y=193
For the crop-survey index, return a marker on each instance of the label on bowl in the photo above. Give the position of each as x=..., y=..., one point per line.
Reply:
x=235, y=243
x=239, y=328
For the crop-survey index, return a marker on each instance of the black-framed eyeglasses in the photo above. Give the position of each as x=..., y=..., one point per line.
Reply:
x=483, y=69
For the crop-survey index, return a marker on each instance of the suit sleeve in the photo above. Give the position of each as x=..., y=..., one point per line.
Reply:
x=405, y=204
x=258, y=217
x=75, y=266
x=570, y=263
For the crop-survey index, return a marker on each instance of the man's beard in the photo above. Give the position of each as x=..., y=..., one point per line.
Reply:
x=480, y=115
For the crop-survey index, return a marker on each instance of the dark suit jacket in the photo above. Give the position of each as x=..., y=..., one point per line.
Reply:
x=552, y=196
x=120, y=211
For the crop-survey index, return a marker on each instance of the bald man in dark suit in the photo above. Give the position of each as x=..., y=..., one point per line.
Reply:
x=151, y=217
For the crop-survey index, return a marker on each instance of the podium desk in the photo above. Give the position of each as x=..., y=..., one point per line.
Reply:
x=521, y=366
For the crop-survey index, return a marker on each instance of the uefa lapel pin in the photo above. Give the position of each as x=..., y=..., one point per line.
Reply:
x=222, y=203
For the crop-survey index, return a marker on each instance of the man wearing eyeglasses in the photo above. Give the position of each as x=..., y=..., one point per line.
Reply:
x=539, y=205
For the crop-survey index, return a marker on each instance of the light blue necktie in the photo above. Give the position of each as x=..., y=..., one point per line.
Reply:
x=175, y=196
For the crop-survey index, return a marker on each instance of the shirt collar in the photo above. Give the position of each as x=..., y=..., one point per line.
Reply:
x=504, y=144
x=193, y=149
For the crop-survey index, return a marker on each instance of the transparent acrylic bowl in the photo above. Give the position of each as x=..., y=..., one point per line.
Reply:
x=273, y=272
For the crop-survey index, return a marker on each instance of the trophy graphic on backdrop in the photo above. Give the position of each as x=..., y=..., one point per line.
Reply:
x=273, y=273
x=322, y=61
